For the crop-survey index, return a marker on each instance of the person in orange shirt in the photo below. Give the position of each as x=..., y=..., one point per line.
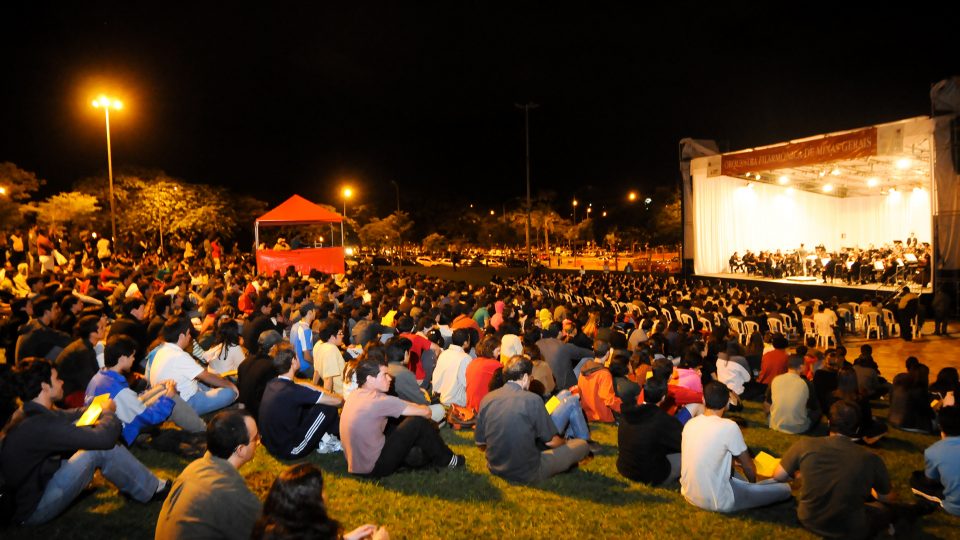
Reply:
x=597, y=394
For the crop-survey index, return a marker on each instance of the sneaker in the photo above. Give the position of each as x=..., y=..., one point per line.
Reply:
x=457, y=461
x=163, y=489
x=927, y=496
x=329, y=444
x=594, y=446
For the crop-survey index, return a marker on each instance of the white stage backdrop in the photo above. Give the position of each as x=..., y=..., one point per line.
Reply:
x=728, y=217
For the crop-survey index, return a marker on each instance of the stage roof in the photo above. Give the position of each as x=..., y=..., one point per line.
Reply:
x=297, y=210
x=855, y=163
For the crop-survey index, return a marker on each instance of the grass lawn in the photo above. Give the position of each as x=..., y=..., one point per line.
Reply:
x=592, y=502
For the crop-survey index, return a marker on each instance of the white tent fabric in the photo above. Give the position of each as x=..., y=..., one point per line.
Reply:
x=729, y=216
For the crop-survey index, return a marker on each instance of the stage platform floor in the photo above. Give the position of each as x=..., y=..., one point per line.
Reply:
x=816, y=287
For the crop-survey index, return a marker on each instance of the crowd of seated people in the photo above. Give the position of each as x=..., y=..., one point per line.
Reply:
x=368, y=363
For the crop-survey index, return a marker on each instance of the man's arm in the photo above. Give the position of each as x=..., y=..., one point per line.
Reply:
x=749, y=468
x=412, y=409
x=215, y=381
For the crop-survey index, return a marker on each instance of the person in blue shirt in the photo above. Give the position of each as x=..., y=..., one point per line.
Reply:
x=940, y=480
x=301, y=337
x=134, y=411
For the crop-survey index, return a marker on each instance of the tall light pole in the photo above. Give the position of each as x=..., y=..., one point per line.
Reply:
x=347, y=193
x=399, y=233
x=106, y=104
x=526, y=129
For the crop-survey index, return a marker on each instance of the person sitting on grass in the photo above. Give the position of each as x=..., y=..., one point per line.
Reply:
x=203, y=390
x=405, y=384
x=210, y=499
x=940, y=480
x=296, y=507
x=376, y=448
x=517, y=435
x=791, y=402
x=710, y=444
x=649, y=439
x=597, y=394
x=150, y=408
x=296, y=416
x=839, y=478
x=47, y=460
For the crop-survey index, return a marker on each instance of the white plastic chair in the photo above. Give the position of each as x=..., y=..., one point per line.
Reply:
x=667, y=313
x=686, y=320
x=739, y=328
x=776, y=325
x=751, y=328
x=891, y=322
x=872, y=324
x=809, y=331
x=915, y=327
x=707, y=325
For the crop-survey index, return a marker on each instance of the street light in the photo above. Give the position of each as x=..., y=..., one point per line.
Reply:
x=106, y=104
x=347, y=193
x=575, y=211
x=632, y=196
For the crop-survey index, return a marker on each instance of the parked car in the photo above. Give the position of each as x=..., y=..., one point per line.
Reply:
x=423, y=260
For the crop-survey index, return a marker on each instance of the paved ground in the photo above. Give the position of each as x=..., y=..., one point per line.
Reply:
x=937, y=352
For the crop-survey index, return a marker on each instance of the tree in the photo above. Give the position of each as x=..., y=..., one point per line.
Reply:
x=151, y=205
x=68, y=208
x=386, y=231
x=435, y=243
x=17, y=185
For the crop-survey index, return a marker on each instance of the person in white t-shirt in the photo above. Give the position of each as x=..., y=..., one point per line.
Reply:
x=708, y=445
x=450, y=375
x=203, y=390
x=327, y=359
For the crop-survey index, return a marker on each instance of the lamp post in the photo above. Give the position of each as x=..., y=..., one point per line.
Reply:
x=526, y=131
x=399, y=233
x=347, y=193
x=106, y=104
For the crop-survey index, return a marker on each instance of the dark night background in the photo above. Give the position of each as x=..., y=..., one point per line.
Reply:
x=295, y=99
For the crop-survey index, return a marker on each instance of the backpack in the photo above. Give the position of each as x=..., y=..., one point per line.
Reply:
x=461, y=417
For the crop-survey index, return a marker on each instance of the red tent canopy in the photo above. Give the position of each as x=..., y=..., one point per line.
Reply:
x=296, y=211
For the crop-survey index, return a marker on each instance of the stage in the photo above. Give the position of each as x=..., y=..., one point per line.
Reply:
x=809, y=287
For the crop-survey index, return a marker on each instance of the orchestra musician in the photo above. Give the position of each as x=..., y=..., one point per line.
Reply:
x=892, y=263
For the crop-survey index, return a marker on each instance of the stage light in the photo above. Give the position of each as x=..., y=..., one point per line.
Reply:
x=903, y=163
x=823, y=173
x=835, y=172
x=758, y=176
x=648, y=200
x=784, y=179
x=827, y=188
x=872, y=182
x=749, y=185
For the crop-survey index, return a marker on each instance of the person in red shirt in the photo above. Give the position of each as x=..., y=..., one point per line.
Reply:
x=481, y=370
x=774, y=362
x=419, y=345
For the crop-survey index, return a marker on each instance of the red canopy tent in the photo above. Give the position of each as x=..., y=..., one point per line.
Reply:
x=298, y=211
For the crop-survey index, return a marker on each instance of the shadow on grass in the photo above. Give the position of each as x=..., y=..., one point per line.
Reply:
x=442, y=483
x=597, y=488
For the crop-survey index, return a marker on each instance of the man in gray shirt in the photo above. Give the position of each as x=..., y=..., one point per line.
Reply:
x=513, y=426
x=561, y=357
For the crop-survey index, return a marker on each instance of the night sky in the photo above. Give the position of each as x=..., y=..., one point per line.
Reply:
x=276, y=101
